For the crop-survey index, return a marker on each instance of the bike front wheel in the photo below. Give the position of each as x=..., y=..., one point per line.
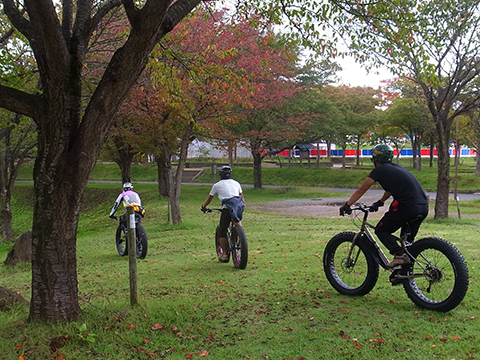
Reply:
x=239, y=247
x=439, y=275
x=350, y=270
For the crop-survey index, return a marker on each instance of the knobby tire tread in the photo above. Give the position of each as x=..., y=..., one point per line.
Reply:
x=121, y=249
x=242, y=240
x=335, y=280
x=141, y=235
x=460, y=275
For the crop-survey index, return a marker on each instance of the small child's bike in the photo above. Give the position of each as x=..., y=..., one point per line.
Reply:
x=436, y=278
x=237, y=245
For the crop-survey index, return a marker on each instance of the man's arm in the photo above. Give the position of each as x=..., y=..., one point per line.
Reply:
x=385, y=196
x=360, y=191
x=207, y=201
x=115, y=206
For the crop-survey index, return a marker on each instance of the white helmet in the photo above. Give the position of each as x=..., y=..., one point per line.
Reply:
x=127, y=186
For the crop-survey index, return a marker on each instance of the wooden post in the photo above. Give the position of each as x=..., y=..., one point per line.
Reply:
x=132, y=255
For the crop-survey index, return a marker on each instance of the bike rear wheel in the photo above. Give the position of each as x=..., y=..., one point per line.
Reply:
x=239, y=247
x=441, y=275
x=121, y=241
x=218, y=247
x=141, y=241
x=353, y=275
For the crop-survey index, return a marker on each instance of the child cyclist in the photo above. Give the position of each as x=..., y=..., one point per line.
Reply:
x=409, y=201
x=230, y=194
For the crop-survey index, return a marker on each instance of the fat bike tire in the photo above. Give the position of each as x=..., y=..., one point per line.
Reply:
x=121, y=241
x=352, y=276
x=141, y=241
x=239, y=250
x=218, y=248
x=440, y=280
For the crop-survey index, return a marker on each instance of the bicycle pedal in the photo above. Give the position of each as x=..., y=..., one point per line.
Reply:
x=393, y=277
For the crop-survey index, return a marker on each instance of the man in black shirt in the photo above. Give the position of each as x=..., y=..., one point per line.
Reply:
x=409, y=201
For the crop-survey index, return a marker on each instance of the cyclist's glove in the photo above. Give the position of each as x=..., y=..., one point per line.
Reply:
x=204, y=209
x=374, y=207
x=113, y=217
x=345, y=209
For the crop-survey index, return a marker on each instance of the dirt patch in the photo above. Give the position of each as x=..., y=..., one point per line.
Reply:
x=329, y=207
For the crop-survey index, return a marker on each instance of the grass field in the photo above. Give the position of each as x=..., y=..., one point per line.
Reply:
x=192, y=306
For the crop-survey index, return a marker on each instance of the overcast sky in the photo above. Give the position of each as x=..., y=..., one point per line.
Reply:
x=355, y=75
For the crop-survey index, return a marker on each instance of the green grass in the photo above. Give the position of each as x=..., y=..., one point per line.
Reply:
x=279, y=307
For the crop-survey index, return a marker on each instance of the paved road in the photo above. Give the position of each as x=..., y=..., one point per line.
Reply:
x=372, y=195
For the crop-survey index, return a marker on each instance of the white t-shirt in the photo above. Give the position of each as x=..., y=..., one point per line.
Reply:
x=226, y=189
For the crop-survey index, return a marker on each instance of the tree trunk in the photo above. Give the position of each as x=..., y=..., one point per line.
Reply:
x=414, y=152
x=477, y=163
x=432, y=146
x=231, y=145
x=5, y=195
x=55, y=220
x=357, y=155
x=257, y=169
x=123, y=158
x=419, y=149
x=6, y=216
x=344, y=157
x=164, y=169
x=443, y=179
x=177, y=187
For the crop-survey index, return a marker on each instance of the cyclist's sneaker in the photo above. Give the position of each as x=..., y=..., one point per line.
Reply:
x=399, y=260
x=223, y=258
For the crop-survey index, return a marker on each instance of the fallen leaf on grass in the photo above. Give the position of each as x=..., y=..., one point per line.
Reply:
x=442, y=338
x=204, y=353
x=156, y=326
x=456, y=338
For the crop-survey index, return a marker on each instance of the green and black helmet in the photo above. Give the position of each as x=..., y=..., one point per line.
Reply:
x=382, y=153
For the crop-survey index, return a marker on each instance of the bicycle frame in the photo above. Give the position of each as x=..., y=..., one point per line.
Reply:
x=379, y=255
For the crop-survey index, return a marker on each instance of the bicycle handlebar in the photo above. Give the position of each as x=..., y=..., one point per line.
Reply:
x=206, y=210
x=362, y=208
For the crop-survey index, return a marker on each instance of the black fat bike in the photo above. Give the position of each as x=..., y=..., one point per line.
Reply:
x=436, y=279
x=237, y=245
x=121, y=236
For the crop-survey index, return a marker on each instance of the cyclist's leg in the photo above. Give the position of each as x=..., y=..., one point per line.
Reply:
x=224, y=223
x=415, y=223
x=388, y=224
